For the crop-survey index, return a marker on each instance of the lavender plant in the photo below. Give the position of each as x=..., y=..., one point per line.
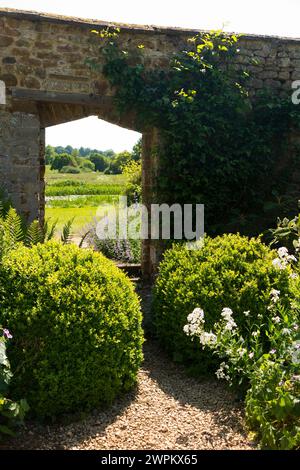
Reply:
x=127, y=250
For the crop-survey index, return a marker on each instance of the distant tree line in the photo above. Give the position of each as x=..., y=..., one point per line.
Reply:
x=72, y=160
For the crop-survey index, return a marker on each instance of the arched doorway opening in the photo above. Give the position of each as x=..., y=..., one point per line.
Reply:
x=91, y=166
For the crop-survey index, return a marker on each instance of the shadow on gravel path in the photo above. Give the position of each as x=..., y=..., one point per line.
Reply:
x=168, y=410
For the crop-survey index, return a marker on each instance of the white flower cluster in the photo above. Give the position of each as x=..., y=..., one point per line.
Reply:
x=227, y=315
x=242, y=351
x=294, y=275
x=195, y=322
x=208, y=339
x=274, y=294
x=222, y=372
x=295, y=352
x=286, y=331
x=195, y=326
x=284, y=258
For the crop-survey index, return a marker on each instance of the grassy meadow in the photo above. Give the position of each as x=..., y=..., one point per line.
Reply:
x=80, y=196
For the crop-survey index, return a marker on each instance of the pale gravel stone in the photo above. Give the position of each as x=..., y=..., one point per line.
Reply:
x=167, y=411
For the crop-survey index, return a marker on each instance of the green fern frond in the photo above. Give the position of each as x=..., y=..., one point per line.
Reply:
x=49, y=230
x=34, y=234
x=5, y=203
x=14, y=227
x=83, y=238
x=66, y=235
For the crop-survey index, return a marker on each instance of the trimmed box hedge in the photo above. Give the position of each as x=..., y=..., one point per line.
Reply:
x=76, y=325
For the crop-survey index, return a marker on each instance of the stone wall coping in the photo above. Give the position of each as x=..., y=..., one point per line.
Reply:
x=84, y=23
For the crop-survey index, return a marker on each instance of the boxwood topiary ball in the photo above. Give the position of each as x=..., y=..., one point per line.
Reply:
x=76, y=325
x=228, y=271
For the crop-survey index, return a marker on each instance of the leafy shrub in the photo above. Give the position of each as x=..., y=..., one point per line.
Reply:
x=205, y=154
x=229, y=270
x=77, y=327
x=273, y=404
x=11, y=413
x=82, y=201
x=275, y=337
x=73, y=170
x=133, y=188
x=117, y=163
x=273, y=400
x=87, y=165
x=14, y=231
x=63, y=160
x=272, y=378
x=287, y=233
x=100, y=161
x=113, y=247
x=269, y=370
x=128, y=251
x=58, y=189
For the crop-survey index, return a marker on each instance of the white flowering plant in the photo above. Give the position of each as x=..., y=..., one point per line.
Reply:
x=278, y=337
x=284, y=258
x=273, y=399
x=273, y=403
x=287, y=233
x=229, y=270
x=11, y=413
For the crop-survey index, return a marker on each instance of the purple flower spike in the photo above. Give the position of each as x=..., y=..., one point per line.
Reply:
x=6, y=333
x=273, y=351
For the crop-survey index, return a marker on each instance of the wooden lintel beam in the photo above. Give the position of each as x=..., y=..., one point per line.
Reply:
x=84, y=99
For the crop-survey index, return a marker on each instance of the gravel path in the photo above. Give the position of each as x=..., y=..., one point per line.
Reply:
x=167, y=411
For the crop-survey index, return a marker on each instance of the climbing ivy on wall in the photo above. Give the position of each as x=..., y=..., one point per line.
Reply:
x=221, y=147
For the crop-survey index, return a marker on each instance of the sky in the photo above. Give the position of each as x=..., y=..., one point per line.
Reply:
x=269, y=17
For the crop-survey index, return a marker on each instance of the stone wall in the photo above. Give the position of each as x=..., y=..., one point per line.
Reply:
x=20, y=170
x=44, y=52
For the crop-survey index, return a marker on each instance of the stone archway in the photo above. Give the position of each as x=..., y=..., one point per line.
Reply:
x=42, y=64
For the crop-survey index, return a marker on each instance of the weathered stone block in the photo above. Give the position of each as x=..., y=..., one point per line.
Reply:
x=295, y=74
x=256, y=83
x=272, y=83
x=9, y=60
x=285, y=62
x=9, y=79
x=282, y=54
x=23, y=43
x=284, y=75
x=33, y=62
x=263, y=51
x=44, y=45
x=67, y=48
x=5, y=41
x=30, y=82
x=268, y=74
